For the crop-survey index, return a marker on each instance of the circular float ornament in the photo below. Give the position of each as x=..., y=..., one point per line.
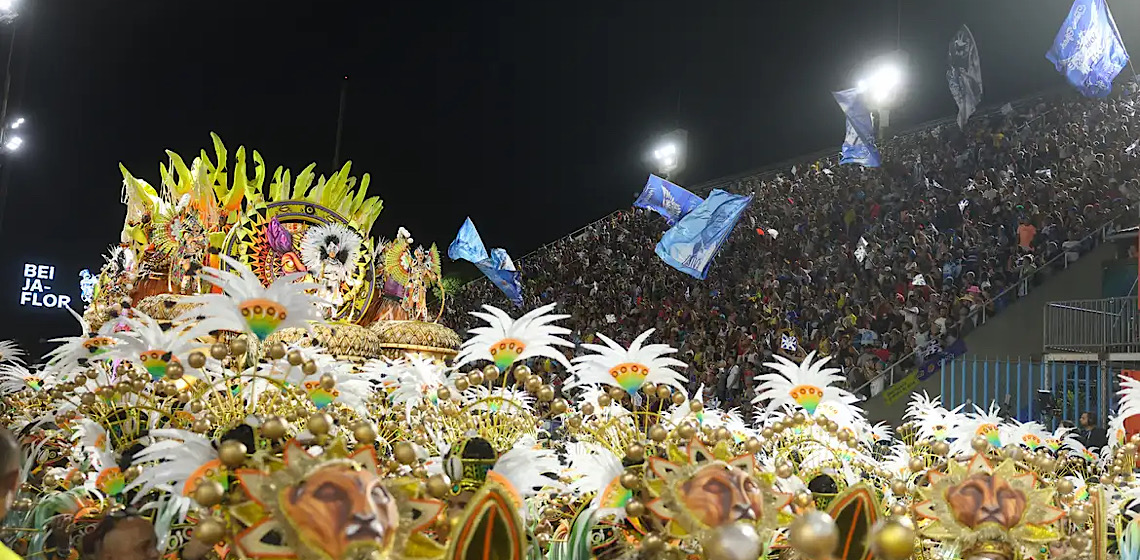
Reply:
x=268, y=241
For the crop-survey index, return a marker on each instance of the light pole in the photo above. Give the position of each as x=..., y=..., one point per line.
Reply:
x=668, y=155
x=882, y=88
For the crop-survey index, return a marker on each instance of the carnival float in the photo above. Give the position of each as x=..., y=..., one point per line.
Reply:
x=258, y=376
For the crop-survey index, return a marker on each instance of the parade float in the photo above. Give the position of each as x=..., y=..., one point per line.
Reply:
x=259, y=378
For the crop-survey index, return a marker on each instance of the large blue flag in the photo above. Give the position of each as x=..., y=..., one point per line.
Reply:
x=496, y=266
x=1088, y=49
x=859, y=144
x=667, y=199
x=691, y=245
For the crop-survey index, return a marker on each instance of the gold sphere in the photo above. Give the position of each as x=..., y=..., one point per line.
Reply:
x=587, y=409
x=365, y=433
x=898, y=509
x=893, y=539
x=814, y=534
x=238, y=346
x=209, y=493
x=752, y=446
x=616, y=393
x=461, y=384
x=979, y=444
x=664, y=392
x=1079, y=542
x=295, y=357
x=803, y=499
x=443, y=393
x=319, y=424
x=277, y=350
x=657, y=433
x=475, y=378
x=138, y=385
x=309, y=368
x=404, y=453
x=559, y=406
x=649, y=388
x=940, y=448
x=210, y=531
x=545, y=393
x=679, y=398
x=767, y=433
x=490, y=373
x=201, y=426
x=917, y=464
x=652, y=544
x=438, y=486
x=575, y=422
x=630, y=481
x=1065, y=486
x=735, y=541
x=534, y=383
x=197, y=360
x=1078, y=516
x=635, y=452
x=686, y=431
x=696, y=406
x=219, y=351
x=273, y=428
x=634, y=508
x=799, y=418
x=174, y=371
x=232, y=453
x=783, y=470
x=722, y=434
x=604, y=401
x=899, y=488
x=91, y=374
x=521, y=372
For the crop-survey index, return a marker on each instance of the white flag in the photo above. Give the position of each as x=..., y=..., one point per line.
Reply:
x=965, y=74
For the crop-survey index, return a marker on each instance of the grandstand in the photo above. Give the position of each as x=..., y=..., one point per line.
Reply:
x=983, y=217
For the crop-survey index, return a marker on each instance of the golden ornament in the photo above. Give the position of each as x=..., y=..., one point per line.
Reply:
x=319, y=424
x=461, y=384
x=735, y=541
x=232, y=453
x=814, y=534
x=559, y=406
x=365, y=433
x=273, y=428
x=295, y=357
x=893, y=538
x=209, y=493
x=635, y=452
x=634, y=508
x=219, y=351
x=197, y=360
x=587, y=409
x=210, y=531
x=438, y=486
x=238, y=346
x=309, y=368
x=545, y=393
x=521, y=372
x=404, y=453
x=657, y=433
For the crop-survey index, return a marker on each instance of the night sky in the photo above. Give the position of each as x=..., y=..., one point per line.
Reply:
x=533, y=118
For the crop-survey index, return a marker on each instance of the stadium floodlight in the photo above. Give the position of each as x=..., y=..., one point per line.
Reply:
x=13, y=144
x=8, y=10
x=668, y=153
x=16, y=123
x=882, y=84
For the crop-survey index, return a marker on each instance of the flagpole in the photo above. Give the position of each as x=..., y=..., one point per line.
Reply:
x=1112, y=20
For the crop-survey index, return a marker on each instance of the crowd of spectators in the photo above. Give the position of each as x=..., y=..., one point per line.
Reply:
x=876, y=267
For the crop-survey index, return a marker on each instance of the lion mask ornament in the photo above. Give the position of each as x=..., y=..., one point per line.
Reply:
x=985, y=498
x=341, y=510
x=719, y=494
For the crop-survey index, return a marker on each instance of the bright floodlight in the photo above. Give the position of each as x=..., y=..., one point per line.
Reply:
x=7, y=5
x=13, y=143
x=883, y=83
x=16, y=123
x=668, y=152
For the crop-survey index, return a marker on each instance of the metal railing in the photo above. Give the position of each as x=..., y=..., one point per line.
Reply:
x=1046, y=392
x=982, y=314
x=1092, y=325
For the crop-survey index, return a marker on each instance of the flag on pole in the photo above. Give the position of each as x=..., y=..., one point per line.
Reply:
x=496, y=266
x=1088, y=49
x=859, y=144
x=965, y=74
x=691, y=245
x=667, y=199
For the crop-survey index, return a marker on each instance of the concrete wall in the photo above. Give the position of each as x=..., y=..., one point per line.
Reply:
x=1018, y=332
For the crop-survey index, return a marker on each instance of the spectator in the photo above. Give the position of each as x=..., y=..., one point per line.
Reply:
x=1091, y=435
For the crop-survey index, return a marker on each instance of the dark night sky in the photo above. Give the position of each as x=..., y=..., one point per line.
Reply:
x=531, y=117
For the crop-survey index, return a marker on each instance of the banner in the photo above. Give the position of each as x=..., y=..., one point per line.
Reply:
x=497, y=266
x=965, y=74
x=901, y=388
x=665, y=198
x=1088, y=49
x=933, y=362
x=859, y=144
x=691, y=244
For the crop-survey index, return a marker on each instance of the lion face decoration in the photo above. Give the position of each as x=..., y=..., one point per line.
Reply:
x=985, y=498
x=719, y=494
x=339, y=511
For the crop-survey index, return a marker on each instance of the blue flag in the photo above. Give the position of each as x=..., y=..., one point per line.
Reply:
x=667, y=199
x=496, y=266
x=468, y=245
x=859, y=144
x=1088, y=49
x=691, y=245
